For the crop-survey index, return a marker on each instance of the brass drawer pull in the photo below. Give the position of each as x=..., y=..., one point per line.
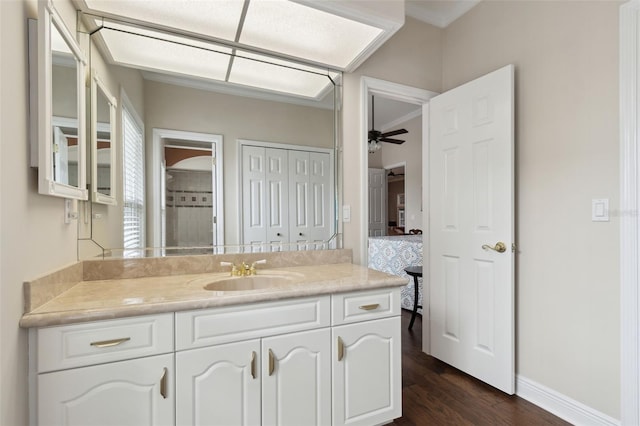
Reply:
x=369, y=307
x=340, y=349
x=163, y=383
x=272, y=362
x=253, y=364
x=109, y=343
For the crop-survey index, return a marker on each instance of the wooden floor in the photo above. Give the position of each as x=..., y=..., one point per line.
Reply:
x=434, y=393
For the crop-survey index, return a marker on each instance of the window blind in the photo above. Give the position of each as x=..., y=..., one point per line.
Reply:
x=133, y=185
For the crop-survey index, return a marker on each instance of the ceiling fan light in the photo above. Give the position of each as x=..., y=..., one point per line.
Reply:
x=374, y=146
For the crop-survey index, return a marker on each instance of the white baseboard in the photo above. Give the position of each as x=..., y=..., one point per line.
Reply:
x=561, y=405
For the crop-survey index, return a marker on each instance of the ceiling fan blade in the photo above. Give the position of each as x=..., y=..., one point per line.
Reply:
x=396, y=141
x=395, y=132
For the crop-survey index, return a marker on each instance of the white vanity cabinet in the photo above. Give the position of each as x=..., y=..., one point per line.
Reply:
x=321, y=360
x=284, y=380
x=114, y=372
x=296, y=382
x=281, y=373
x=219, y=385
x=125, y=393
x=367, y=382
x=367, y=360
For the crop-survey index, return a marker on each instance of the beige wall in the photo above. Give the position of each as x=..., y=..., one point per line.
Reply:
x=411, y=57
x=566, y=58
x=567, y=153
x=35, y=239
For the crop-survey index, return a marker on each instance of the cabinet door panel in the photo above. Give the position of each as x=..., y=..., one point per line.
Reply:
x=116, y=394
x=298, y=391
x=219, y=385
x=367, y=380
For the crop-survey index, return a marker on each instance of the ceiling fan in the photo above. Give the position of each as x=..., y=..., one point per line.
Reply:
x=376, y=136
x=393, y=174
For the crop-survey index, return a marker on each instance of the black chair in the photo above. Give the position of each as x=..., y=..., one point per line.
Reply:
x=415, y=272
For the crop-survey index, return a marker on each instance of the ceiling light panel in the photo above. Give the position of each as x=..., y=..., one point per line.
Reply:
x=217, y=18
x=252, y=70
x=304, y=32
x=155, y=51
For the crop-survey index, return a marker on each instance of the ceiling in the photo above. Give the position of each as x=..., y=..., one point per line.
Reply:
x=391, y=114
x=283, y=47
x=438, y=12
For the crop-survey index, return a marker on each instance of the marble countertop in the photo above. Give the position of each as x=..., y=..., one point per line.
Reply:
x=117, y=298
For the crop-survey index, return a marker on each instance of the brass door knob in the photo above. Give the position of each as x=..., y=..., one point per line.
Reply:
x=500, y=247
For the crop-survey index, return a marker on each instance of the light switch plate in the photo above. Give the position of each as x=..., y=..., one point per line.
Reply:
x=600, y=210
x=346, y=213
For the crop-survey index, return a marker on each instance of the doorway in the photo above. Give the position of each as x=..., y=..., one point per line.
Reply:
x=396, y=212
x=188, y=194
x=416, y=101
x=186, y=200
x=412, y=95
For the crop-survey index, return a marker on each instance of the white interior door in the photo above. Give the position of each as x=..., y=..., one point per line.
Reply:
x=377, y=202
x=254, y=203
x=472, y=199
x=309, y=198
x=277, y=197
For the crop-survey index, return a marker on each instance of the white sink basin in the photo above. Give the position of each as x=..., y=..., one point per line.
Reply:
x=261, y=281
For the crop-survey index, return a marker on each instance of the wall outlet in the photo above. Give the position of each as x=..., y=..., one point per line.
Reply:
x=70, y=211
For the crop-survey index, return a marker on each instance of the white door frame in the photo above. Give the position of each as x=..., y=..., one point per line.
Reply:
x=399, y=92
x=413, y=95
x=629, y=217
x=155, y=197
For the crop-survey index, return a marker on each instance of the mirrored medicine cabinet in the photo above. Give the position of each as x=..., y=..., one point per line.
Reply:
x=57, y=103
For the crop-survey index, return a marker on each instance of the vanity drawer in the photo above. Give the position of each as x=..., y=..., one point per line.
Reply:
x=77, y=345
x=358, y=306
x=207, y=327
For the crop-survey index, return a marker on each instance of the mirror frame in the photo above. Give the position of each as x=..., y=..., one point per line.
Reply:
x=48, y=16
x=96, y=196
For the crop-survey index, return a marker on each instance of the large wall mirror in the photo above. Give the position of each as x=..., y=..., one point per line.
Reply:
x=193, y=102
x=59, y=133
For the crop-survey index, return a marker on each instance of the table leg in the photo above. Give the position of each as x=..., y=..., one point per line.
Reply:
x=415, y=301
